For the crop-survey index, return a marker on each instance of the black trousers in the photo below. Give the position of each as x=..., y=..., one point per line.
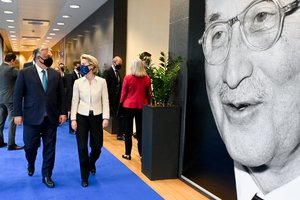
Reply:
x=32, y=135
x=129, y=115
x=88, y=125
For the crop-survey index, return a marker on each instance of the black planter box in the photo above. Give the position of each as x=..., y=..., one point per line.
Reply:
x=160, y=143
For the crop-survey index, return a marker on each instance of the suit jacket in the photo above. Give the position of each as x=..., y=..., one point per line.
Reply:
x=28, y=64
x=114, y=89
x=37, y=102
x=8, y=76
x=70, y=83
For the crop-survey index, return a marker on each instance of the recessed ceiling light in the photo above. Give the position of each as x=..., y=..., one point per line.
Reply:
x=60, y=23
x=55, y=29
x=49, y=38
x=74, y=6
x=12, y=31
x=8, y=12
x=46, y=40
x=52, y=34
x=66, y=16
x=13, y=39
x=13, y=36
x=10, y=26
x=7, y=1
x=10, y=20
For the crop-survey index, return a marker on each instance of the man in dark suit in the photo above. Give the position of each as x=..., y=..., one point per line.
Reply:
x=44, y=108
x=28, y=64
x=114, y=86
x=70, y=82
x=8, y=76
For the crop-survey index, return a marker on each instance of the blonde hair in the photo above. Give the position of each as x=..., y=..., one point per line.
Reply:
x=92, y=61
x=138, y=68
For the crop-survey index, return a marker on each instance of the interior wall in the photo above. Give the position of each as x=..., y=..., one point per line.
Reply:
x=93, y=36
x=147, y=28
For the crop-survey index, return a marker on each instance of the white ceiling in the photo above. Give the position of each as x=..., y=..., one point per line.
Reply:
x=47, y=13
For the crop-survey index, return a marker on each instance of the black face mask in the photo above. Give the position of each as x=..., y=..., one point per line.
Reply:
x=78, y=69
x=48, y=61
x=118, y=67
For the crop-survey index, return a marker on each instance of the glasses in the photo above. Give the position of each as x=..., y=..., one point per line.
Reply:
x=260, y=25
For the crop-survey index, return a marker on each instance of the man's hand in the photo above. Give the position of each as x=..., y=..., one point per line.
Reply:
x=62, y=119
x=18, y=120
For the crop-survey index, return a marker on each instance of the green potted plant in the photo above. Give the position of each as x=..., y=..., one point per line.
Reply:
x=161, y=120
x=162, y=76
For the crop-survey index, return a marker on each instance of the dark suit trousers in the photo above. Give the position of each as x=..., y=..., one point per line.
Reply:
x=129, y=115
x=32, y=136
x=7, y=109
x=88, y=125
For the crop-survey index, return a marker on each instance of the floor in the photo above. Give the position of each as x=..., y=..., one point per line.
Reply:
x=171, y=189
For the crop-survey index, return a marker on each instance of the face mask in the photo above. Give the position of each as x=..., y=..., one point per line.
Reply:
x=47, y=62
x=118, y=67
x=78, y=68
x=84, y=70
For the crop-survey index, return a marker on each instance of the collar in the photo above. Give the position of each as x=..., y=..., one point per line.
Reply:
x=39, y=69
x=247, y=188
x=113, y=67
x=94, y=79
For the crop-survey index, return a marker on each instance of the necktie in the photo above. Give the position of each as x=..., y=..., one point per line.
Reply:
x=117, y=75
x=256, y=198
x=44, y=80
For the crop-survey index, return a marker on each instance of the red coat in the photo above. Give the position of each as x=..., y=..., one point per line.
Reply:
x=135, y=91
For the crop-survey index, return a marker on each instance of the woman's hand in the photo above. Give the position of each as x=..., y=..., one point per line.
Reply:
x=74, y=125
x=105, y=123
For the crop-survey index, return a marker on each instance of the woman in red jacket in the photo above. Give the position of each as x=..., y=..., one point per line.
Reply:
x=135, y=93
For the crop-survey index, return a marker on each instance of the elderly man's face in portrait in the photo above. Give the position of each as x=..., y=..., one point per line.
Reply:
x=253, y=78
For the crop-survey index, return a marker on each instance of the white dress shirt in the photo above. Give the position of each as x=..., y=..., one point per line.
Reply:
x=246, y=187
x=90, y=97
x=39, y=69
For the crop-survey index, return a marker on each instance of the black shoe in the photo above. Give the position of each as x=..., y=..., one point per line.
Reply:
x=93, y=171
x=30, y=170
x=84, y=183
x=14, y=147
x=120, y=138
x=48, y=182
x=134, y=135
x=127, y=157
x=3, y=145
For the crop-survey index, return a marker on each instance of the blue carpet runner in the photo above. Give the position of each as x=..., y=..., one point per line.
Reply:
x=112, y=181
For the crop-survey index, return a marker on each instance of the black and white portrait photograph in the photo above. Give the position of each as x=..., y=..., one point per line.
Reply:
x=252, y=79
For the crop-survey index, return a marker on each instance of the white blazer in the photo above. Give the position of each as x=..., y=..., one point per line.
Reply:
x=87, y=97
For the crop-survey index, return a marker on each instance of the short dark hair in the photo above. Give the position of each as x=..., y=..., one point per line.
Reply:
x=34, y=52
x=10, y=56
x=76, y=62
